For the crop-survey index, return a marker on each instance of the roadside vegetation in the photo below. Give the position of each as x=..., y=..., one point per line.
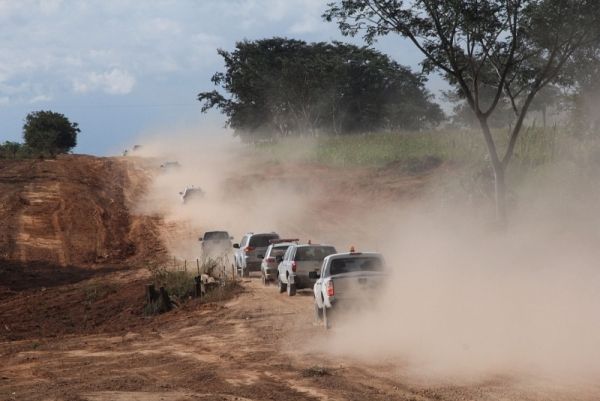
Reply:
x=45, y=134
x=180, y=284
x=460, y=146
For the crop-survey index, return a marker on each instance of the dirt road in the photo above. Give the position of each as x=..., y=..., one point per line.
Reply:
x=254, y=347
x=72, y=326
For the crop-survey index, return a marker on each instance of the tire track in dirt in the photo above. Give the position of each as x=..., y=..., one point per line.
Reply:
x=34, y=241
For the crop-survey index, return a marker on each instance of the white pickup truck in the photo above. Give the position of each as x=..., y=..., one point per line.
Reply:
x=347, y=281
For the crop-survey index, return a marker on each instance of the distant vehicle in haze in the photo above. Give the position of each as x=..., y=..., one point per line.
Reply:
x=191, y=193
x=170, y=165
x=251, y=251
x=347, y=281
x=215, y=243
x=274, y=256
x=298, y=262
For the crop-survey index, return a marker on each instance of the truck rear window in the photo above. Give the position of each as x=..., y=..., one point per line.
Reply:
x=278, y=251
x=348, y=265
x=262, y=240
x=312, y=253
x=216, y=235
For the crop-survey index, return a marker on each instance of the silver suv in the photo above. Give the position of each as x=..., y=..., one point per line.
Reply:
x=298, y=262
x=274, y=256
x=251, y=251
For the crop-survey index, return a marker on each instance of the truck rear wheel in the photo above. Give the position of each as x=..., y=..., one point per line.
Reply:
x=291, y=289
x=282, y=286
x=327, y=317
x=318, y=313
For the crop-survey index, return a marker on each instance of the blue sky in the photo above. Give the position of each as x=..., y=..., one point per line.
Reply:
x=121, y=68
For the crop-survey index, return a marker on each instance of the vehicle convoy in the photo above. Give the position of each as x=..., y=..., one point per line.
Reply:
x=347, y=281
x=273, y=256
x=298, y=262
x=215, y=243
x=251, y=251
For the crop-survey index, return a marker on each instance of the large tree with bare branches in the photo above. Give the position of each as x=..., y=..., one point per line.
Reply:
x=513, y=48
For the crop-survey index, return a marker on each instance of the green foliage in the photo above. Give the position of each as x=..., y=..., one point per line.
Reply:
x=178, y=283
x=15, y=150
x=492, y=51
x=282, y=87
x=49, y=132
x=414, y=152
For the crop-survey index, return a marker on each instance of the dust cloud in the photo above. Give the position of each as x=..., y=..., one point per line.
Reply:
x=238, y=194
x=464, y=300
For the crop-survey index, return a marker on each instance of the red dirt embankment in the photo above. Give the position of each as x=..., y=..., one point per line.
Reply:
x=74, y=210
x=68, y=243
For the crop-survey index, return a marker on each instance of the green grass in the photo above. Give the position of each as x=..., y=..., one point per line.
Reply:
x=535, y=147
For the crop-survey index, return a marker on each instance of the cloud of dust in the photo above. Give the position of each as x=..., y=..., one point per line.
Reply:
x=463, y=300
x=239, y=196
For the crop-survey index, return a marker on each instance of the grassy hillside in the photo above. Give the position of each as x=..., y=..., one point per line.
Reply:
x=536, y=147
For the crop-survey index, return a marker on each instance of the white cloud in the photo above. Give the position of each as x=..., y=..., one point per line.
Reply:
x=113, y=82
x=40, y=99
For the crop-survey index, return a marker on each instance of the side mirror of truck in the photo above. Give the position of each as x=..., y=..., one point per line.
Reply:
x=313, y=275
x=236, y=246
x=200, y=239
x=260, y=256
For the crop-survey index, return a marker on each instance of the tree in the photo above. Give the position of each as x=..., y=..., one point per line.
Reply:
x=49, y=132
x=585, y=92
x=9, y=150
x=525, y=43
x=279, y=87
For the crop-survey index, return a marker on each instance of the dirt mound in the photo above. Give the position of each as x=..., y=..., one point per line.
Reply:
x=74, y=210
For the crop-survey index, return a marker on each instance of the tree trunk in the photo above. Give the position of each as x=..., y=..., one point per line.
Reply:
x=500, y=193
x=499, y=170
x=544, y=115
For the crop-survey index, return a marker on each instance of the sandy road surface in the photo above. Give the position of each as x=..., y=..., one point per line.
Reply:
x=250, y=348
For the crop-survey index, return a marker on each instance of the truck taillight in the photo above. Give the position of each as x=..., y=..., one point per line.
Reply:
x=330, y=290
x=293, y=266
x=248, y=249
x=270, y=260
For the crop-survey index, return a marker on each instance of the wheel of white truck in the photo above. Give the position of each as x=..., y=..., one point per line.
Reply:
x=264, y=279
x=291, y=289
x=282, y=286
x=318, y=313
x=326, y=317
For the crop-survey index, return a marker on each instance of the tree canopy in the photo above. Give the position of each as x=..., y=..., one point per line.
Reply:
x=509, y=48
x=280, y=87
x=49, y=132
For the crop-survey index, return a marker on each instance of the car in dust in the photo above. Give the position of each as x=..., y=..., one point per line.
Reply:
x=274, y=256
x=215, y=243
x=293, y=273
x=191, y=193
x=251, y=251
x=170, y=165
x=346, y=282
